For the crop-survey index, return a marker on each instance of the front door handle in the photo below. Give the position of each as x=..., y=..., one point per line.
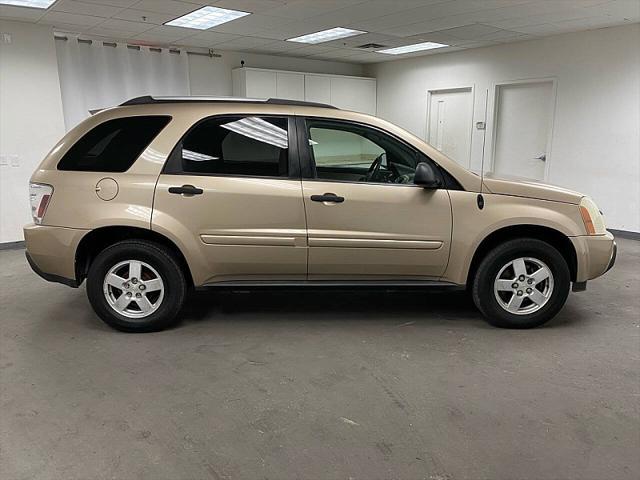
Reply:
x=186, y=190
x=327, y=197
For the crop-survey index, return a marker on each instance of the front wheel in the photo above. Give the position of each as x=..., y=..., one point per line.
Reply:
x=136, y=286
x=521, y=283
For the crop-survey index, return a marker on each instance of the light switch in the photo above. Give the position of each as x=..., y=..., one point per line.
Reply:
x=4, y=160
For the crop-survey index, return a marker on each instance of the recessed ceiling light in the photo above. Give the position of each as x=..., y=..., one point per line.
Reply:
x=28, y=3
x=326, y=35
x=416, y=47
x=206, y=17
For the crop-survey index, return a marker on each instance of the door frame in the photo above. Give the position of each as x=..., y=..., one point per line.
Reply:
x=493, y=113
x=430, y=93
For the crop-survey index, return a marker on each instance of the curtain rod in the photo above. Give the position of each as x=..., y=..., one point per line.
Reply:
x=88, y=41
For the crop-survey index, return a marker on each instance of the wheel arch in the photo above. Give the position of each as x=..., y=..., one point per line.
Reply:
x=97, y=240
x=549, y=235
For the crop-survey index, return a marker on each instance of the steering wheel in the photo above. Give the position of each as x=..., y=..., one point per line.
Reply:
x=374, y=169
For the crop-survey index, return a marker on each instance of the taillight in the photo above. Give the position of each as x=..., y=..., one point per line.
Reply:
x=40, y=196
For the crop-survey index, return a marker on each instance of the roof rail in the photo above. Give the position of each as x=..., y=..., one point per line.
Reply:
x=149, y=100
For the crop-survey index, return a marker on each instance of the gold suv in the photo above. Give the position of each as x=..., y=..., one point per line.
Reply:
x=160, y=195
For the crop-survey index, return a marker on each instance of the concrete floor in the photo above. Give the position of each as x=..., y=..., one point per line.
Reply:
x=320, y=385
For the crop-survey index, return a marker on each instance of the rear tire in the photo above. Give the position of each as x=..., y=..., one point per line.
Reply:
x=521, y=283
x=136, y=286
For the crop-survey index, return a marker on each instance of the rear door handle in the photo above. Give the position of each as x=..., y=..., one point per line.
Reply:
x=327, y=197
x=186, y=190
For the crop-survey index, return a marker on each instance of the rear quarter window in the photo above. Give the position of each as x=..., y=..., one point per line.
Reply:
x=113, y=146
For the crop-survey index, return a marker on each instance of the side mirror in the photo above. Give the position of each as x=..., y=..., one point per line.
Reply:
x=426, y=176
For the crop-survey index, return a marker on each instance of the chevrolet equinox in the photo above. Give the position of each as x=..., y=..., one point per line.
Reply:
x=160, y=195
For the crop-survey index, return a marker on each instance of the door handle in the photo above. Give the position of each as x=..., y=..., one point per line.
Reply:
x=327, y=197
x=186, y=190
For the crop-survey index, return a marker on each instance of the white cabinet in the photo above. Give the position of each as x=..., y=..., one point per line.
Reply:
x=354, y=94
x=317, y=88
x=290, y=85
x=349, y=93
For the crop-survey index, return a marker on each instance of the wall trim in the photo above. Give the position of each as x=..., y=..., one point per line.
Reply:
x=12, y=245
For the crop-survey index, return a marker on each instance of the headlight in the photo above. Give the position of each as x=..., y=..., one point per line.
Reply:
x=39, y=195
x=592, y=217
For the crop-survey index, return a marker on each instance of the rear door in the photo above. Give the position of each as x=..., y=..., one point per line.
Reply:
x=366, y=219
x=231, y=196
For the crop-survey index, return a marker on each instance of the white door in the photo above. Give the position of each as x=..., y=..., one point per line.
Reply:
x=450, y=120
x=523, y=122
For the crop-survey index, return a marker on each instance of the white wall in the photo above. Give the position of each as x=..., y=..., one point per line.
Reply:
x=212, y=75
x=31, y=119
x=596, y=138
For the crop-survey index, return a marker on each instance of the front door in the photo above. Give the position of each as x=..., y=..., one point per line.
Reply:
x=230, y=197
x=366, y=219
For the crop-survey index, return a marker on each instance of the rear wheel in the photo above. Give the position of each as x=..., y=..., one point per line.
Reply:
x=521, y=283
x=136, y=286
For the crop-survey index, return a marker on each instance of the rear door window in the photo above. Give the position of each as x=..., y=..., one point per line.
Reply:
x=236, y=146
x=113, y=146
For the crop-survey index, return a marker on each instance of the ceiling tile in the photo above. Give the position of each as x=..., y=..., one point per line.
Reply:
x=304, y=9
x=126, y=26
x=113, y=3
x=470, y=32
x=161, y=36
x=241, y=43
x=109, y=33
x=294, y=29
x=52, y=17
x=20, y=13
x=252, y=24
x=251, y=6
x=310, y=50
x=207, y=39
x=144, y=16
x=280, y=46
x=171, y=7
x=83, y=8
x=356, y=40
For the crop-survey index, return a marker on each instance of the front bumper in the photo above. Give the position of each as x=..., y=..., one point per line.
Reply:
x=595, y=255
x=51, y=252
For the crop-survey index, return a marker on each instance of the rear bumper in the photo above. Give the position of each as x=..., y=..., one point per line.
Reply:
x=595, y=254
x=49, y=277
x=51, y=252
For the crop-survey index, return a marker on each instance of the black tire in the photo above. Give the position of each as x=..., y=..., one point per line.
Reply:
x=156, y=256
x=487, y=272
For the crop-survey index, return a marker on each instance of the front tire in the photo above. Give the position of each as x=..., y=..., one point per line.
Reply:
x=521, y=283
x=136, y=286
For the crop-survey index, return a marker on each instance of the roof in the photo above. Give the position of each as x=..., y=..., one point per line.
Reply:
x=149, y=100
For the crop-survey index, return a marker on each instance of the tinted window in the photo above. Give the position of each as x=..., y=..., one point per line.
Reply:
x=256, y=146
x=114, y=145
x=351, y=152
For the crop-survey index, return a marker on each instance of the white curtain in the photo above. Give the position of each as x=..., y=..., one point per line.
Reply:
x=95, y=76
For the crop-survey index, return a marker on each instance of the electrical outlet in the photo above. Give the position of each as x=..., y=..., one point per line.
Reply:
x=4, y=160
x=5, y=38
x=14, y=160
